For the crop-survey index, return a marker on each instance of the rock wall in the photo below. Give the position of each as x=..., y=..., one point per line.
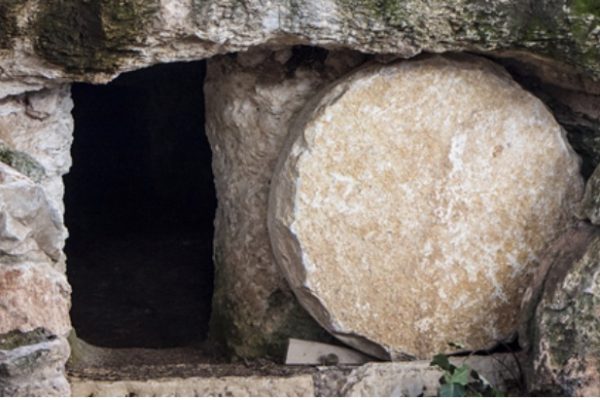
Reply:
x=561, y=311
x=38, y=45
x=251, y=98
x=35, y=136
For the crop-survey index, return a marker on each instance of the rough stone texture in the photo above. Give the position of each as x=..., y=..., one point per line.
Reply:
x=590, y=205
x=33, y=364
x=412, y=201
x=38, y=127
x=35, y=293
x=29, y=222
x=374, y=379
x=418, y=378
x=251, y=99
x=560, y=326
x=46, y=43
x=296, y=386
x=38, y=43
x=574, y=102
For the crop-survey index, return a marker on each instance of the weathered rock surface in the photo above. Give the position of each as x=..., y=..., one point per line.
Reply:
x=374, y=379
x=37, y=44
x=36, y=131
x=29, y=223
x=413, y=200
x=46, y=43
x=560, y=326
x=33, y=364
x=34, y=295
x=34, y=292
x=418, y=378
x=590, y=205
x=295, y=386
x=251, y=100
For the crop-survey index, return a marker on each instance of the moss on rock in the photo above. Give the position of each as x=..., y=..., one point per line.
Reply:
x=22, y=162
x=242, y=337
x=91, y=35
x=564, y=30
x=8, y=22
x=16, y=338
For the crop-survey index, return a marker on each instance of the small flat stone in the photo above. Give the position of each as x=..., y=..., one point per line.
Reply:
x=306, y=352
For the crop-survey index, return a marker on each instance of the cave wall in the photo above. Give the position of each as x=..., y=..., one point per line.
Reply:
x=251, y=99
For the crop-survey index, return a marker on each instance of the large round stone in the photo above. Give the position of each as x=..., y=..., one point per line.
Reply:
x=412, y=201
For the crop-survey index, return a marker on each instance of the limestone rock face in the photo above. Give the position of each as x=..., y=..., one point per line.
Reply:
x=35, y=292
x=561, y=313
x=37, y=44
x=37, y=128
x=251, y=99
x=412, y=201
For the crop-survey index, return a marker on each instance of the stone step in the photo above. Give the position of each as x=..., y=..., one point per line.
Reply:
x=413, y=378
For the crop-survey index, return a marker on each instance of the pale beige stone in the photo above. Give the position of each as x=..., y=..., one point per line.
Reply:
x=412, y=203
x=251, y=100
x=295, y=386
x=34, y=295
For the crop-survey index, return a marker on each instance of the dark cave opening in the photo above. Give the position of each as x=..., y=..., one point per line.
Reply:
x=140, y=204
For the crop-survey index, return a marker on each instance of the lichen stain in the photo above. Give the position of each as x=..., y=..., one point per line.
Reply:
x=91, y=35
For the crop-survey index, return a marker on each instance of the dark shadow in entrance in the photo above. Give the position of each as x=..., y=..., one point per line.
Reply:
x=140, y=206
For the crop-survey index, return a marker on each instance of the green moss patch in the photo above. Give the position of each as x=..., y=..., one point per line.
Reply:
x=91, y=35
x=15, y=339
x=22, y=162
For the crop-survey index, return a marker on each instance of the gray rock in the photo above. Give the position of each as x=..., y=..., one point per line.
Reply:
x=590, y=205
x=33, y=364
x=561, y=316
x=418, y=378
x=117, y=36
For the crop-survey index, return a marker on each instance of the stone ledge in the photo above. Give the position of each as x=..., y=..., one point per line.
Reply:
x=301, y=385
x=373, y=379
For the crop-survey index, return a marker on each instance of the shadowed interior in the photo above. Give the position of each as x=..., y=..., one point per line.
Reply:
x=140, y=204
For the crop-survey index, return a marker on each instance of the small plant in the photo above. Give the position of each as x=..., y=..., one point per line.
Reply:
x=462, y=381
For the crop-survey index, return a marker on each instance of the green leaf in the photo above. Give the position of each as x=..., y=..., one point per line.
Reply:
x=443, y=362
x=446, y=378
x=452, y=390
x=460, y=375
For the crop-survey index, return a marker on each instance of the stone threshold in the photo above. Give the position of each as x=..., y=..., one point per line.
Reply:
x=173, y=375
